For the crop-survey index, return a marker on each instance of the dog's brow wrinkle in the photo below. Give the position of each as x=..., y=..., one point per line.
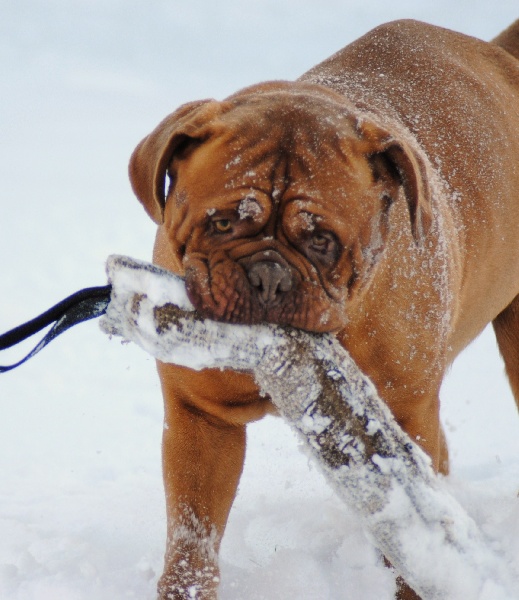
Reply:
x=249, y=207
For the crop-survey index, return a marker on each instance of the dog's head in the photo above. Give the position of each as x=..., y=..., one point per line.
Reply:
x=278, y=202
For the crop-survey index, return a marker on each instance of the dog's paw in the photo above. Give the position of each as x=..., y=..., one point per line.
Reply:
x=184, y=581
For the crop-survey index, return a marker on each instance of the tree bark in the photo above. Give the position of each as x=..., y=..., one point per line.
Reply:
x=380, y=473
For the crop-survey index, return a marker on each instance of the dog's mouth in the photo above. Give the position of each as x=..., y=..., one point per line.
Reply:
x=260, y=288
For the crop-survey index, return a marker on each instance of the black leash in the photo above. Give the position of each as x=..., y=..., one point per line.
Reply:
x=81, y=306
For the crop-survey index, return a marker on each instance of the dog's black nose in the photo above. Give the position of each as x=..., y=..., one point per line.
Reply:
x=271, y=279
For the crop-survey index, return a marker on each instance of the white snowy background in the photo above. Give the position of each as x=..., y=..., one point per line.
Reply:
x=81, y=503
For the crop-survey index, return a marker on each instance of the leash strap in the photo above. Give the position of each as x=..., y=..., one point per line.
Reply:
x=82, y=306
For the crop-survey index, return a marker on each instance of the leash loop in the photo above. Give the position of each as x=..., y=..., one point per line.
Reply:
x=84, y=305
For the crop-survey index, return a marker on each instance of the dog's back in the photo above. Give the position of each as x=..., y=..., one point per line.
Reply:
x=509, y=39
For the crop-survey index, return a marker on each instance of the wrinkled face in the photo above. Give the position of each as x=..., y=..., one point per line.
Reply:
x=278, y=219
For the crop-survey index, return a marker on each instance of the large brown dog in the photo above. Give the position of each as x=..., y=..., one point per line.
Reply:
x=377, y=198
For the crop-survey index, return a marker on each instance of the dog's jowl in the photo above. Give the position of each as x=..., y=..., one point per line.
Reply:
x=377, y=197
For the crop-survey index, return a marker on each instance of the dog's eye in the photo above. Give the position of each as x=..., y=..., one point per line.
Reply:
x=322, y=242
x=222, y=225
x=322, y=248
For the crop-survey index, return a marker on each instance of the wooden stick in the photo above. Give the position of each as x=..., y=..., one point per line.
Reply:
x=381, y=474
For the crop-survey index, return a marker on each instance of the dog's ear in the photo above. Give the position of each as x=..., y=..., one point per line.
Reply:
x=149, y=161
x=409, y=169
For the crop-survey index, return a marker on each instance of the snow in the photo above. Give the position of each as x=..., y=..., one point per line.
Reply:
x=81, y=504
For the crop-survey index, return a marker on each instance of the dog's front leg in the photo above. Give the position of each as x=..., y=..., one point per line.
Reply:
x=203, y=454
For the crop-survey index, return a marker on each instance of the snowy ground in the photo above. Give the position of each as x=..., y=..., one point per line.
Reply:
x=81, y=507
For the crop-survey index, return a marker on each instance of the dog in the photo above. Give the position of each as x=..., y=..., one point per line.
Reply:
x=376, y=197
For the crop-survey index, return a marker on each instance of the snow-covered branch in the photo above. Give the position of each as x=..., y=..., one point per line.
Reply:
x=371, y=463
